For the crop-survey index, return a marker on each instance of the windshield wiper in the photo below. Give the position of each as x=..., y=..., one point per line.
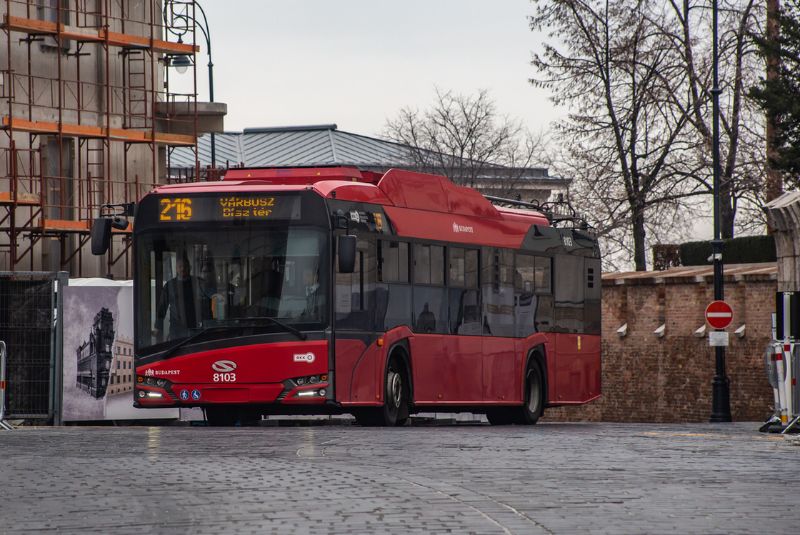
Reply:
x=288, y=328
x=234, y=323
x=195, y=336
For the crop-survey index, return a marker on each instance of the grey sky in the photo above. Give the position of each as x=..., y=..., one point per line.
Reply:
x=357, y=62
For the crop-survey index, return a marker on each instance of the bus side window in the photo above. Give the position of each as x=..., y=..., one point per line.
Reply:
x=524, y=297
x=569, y=293
x=393, y=291
x=465, y=312
x=355, y=292
x=497, y=288
x=543, y=275
x=430, y=303
x=543, y=287
x=594, y=290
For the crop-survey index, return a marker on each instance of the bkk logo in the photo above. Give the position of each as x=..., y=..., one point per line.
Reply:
x=223, y=366
x=462, y=228
x=304, y=357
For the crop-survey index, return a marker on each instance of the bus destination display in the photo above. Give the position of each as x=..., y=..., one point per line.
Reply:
x=228, y=208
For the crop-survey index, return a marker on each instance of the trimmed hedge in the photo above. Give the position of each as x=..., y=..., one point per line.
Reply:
x=744, y=250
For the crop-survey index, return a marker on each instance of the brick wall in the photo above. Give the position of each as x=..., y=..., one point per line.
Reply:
x=651, y=379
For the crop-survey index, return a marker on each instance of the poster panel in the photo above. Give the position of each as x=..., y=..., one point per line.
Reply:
x=99, y=370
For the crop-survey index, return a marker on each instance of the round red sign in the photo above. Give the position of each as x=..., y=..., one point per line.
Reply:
x=719, y=314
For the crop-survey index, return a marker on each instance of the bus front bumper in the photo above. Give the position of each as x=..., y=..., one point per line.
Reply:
x=190, y=395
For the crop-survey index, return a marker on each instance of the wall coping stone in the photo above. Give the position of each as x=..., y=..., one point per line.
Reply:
x=756, y=272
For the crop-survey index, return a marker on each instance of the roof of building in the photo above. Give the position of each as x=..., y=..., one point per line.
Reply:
x=307, y=146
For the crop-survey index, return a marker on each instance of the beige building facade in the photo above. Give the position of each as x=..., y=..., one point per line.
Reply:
x=122, y=370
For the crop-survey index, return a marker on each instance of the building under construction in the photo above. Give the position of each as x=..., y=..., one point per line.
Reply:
x=94, y=356
x=88, y=119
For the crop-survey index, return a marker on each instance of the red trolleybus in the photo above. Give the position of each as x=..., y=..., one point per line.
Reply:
x=334, y=290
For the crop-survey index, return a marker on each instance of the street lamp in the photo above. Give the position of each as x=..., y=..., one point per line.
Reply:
x=720, y=403
x=182, y=63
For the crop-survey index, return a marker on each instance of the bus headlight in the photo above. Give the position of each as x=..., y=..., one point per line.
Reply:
x=158, y=382
x=310, y=380
x=311, y=393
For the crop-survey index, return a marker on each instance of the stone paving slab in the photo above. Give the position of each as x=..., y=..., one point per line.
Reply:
x=545, y=479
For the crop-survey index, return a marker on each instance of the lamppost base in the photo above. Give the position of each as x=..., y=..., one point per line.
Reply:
x=721, y=402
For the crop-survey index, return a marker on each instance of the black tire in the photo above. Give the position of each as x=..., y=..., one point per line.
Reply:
x=395, y=409
x=500, y=416
x=368, y=417
x=533, y=397
x=231, y=416
x=221, y=416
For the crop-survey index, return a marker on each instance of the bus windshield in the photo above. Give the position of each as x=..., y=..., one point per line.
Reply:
x=190, y=281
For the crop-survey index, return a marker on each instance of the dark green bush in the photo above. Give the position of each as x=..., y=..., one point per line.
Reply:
x=745, y=250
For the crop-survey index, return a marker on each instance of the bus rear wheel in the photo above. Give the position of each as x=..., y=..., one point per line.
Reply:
x=533, y=400
x=395, y=409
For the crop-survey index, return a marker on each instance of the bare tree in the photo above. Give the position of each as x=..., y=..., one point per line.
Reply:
x=465, y=139
x=622, y=81
x=688, y=26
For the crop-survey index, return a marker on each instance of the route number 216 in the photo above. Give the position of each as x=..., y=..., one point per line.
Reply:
x=176, y=210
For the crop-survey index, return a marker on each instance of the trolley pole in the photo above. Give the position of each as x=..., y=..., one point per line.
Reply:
x=721, y=404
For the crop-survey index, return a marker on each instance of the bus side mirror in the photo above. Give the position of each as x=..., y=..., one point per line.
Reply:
x=101, y=235
x=347, y=253
x=101, y=232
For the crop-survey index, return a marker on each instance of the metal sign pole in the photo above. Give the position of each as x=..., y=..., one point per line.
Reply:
x=720, y=405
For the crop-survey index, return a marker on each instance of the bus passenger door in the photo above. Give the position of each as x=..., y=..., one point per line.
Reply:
x=357, y=363
x=431, y=367
x=502, y=374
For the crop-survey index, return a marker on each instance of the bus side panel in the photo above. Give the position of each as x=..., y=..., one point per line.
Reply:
x=348, y=352
x=431, y=374
x=358, y=367
x=367, y=377
x=577, y=368
x=463, y=357
x=502, y=370
x=592, y=346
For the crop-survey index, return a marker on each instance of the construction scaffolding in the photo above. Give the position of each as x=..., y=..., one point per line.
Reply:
x=88, y=119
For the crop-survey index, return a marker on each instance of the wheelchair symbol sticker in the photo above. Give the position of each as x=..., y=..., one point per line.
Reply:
x=195, y=394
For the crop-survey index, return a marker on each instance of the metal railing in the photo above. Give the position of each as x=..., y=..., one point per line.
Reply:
x=3, y=424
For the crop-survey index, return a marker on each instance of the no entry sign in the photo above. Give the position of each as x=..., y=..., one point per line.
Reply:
x=719, y=314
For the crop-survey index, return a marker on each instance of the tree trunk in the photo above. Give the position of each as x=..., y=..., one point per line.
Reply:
x=727, y=210
x=774, y=180
x=639, y=251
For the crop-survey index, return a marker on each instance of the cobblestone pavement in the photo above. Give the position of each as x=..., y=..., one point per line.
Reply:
x=551, y=478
